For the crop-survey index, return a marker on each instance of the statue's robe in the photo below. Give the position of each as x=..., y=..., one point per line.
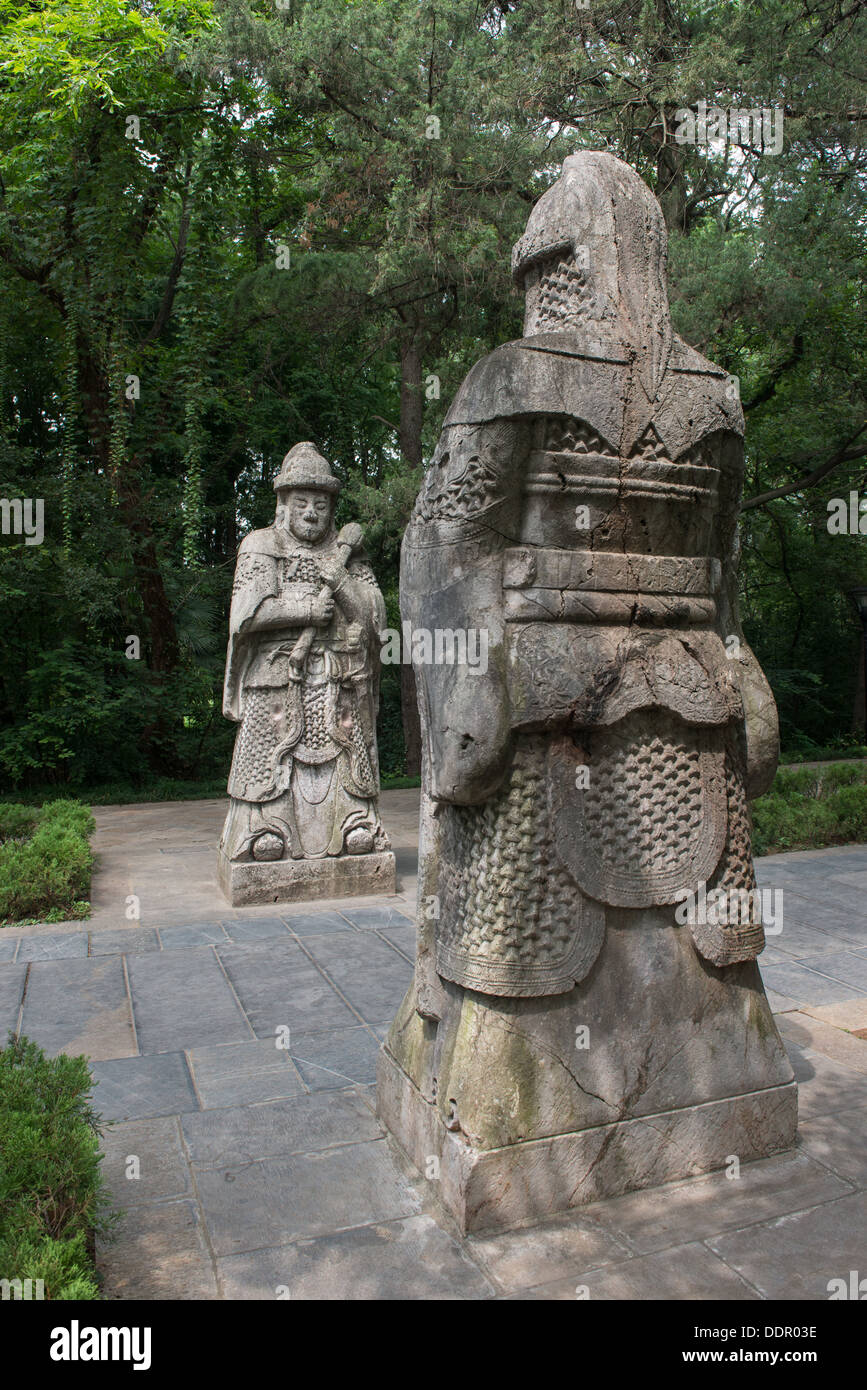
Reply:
x=305, y=765
x=609, y=647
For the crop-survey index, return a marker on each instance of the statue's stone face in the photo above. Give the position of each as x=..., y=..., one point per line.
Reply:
x=306, y=512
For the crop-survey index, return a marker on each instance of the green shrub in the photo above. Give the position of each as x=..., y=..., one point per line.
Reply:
x=16, y=822
x=850, y=809
x=52, y=1196
x=45, y=876
x=808, y=808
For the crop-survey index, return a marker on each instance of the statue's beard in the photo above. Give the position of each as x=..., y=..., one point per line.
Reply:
x=310, y=531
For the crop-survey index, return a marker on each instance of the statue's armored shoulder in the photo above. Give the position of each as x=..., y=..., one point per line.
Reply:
x=714, y=389
x=498, y=378
x=359, y=568
x=264, y=542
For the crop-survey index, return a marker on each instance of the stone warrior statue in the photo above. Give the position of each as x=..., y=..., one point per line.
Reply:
x=302, y=680
x=582, y=1021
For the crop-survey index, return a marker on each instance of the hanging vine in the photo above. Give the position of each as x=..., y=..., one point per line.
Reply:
x=6, y=413
x=70, y=387
x=195, y=395
x=119, y=418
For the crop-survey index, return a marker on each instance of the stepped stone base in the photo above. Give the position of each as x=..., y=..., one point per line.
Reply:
x=497, y=1189
x=304, y=880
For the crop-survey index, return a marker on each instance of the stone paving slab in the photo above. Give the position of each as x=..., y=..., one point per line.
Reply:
x=850, y=1015
x=806, y=985
x=83, y=1006
x=858, y=880
x=138, y=1088
x=131, y=942
x=802, y=938
x=160, y=1170
x=403, y=939
x=819, y=1036
x=183, y=999
x=280, y=987
x=795, y=1256
x=305, y=924
x=240, y=1073
x=195, y=934
x=683, y=1273
x=849, y=967
x=58, y=946
x=329, y=1061
x=378, y=918
x=824, y=1085
x=12, y=981
x=159, y=1251
x=546, y=1254
x=368, y=972
x=310, y=1124
x=680, y=1213
x=260, y=929
x=836, y=1139
x=273, y=1201
x=409, y=1259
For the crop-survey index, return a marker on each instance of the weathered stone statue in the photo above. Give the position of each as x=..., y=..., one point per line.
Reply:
x=587, y=1014
x=302, y=680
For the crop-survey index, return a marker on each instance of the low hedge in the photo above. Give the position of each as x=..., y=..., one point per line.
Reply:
x=45, y=862
x=52, y=1197
x=810, y=808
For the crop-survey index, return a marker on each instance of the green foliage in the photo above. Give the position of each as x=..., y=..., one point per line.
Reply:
x=808, y=808
x=52, y=1196
x=846, y=746
x=152, y=161
x=45, y=875
x=16, y=822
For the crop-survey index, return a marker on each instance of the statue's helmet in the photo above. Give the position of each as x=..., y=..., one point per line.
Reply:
x=592, y=262
x=304, y=467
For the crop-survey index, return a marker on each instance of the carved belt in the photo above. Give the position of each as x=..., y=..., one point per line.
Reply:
x=584, y=586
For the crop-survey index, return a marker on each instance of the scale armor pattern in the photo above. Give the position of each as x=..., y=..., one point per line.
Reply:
x=255, y=744
x=727, y=944
x=564, y=296
x=644, y=799
x=250, y=567
x=505, y=895
x=301, y=568
x=316, y=735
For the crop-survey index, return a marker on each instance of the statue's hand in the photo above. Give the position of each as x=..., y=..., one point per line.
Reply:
x=332, y=573
x=321, y=609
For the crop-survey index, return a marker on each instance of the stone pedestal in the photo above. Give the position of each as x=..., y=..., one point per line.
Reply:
x=678, y=1068
x=300, y=880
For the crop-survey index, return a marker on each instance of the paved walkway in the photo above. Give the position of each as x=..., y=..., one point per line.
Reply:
x=247, y=1170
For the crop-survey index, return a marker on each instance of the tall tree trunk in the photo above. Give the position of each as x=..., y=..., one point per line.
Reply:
x=411, y=406
x=859, y=712
x=411, y=400
x=161, y=630
x=671, y=186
